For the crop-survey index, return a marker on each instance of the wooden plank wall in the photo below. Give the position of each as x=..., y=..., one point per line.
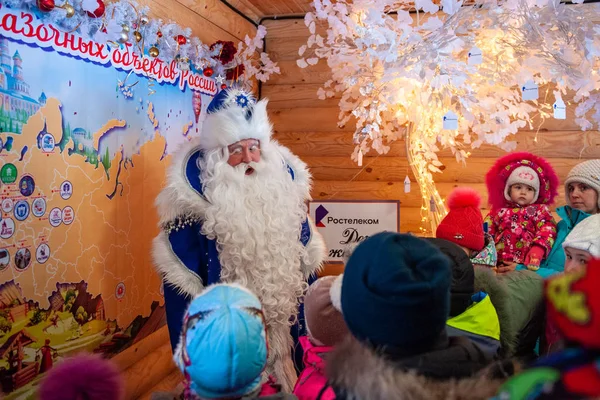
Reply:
x=309, y=127
x=209, y=20
x=148, y=366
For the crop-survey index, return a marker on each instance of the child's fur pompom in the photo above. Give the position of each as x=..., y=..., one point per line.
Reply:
x=84, y=376
x=463, y=197
x=335, y=292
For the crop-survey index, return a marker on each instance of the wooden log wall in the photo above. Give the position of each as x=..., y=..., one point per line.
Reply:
x=148, y=365
x=308, y=126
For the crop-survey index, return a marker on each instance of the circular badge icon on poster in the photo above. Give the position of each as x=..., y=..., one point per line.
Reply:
x=8, y=173
x=55, y=217
x=22, y=259
x=26, y=185
x=42, y=253
x=38, y=208
x=21, y=210
x=120, y=291
x=66, y=190
x=4, y=259
x=47, y=143
x=7, y=205
x=7, y=228
x=68, y=215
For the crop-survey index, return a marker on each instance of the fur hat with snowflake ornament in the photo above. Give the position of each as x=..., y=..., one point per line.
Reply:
x=234, y=115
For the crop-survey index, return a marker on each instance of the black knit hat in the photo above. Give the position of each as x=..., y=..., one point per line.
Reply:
x=463, y=275
x=396, y=293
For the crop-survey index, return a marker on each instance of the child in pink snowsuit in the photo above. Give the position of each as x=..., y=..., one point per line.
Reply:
x=520, y=188
x=326, y=327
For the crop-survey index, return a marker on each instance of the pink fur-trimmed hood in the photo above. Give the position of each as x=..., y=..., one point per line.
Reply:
x=499, y=173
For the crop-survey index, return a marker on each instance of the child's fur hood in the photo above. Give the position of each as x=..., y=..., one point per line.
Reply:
x=497, y=176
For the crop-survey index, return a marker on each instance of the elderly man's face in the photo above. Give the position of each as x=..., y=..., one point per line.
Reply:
x=245, y=151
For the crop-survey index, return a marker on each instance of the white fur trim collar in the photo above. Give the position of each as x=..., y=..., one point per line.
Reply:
x=178, y=198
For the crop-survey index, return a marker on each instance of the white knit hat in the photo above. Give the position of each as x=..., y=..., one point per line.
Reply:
x=587, y=172
x=584, y=236
x=526, y=176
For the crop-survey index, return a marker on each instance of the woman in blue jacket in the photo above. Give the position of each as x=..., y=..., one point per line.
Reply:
x=582, y=187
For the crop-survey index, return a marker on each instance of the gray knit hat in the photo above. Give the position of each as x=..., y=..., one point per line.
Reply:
x=587, y=172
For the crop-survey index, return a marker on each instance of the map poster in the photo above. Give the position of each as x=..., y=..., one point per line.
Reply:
x=86, y=134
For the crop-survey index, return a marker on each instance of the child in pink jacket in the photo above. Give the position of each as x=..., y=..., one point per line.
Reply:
x=521, y=186
x=325, y=327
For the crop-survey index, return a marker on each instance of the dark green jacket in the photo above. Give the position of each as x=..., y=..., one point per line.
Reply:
x=517, y=297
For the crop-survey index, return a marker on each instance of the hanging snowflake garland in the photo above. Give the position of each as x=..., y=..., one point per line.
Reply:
x=452, y=79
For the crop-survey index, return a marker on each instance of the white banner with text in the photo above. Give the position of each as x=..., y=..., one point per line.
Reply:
x=345, y=223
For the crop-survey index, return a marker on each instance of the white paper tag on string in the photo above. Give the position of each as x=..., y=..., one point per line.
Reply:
x=530, y=91
x=450, y=121
x=407, y=184
x=560, y=110
x=475, y=56
x=359, y=158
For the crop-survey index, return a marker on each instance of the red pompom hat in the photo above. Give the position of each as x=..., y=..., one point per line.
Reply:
x=464, y=224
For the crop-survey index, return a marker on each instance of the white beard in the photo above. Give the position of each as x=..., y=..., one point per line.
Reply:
x=256, y=221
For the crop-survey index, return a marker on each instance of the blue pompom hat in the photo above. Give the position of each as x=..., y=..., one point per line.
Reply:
x=234, y=115
x=396, y=293
x=223, y=347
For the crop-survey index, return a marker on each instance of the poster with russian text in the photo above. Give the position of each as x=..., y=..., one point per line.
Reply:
x=86, y=132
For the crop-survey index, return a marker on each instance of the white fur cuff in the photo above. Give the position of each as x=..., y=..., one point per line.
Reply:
x=172, y=270
x=315, y=252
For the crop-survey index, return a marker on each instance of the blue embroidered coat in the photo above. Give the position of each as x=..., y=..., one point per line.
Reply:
x=188, y=260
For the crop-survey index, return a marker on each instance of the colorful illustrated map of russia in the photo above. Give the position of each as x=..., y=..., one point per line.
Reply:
x=77, y=221
x=74, y=227
x=80, y=232
x=82, y=157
